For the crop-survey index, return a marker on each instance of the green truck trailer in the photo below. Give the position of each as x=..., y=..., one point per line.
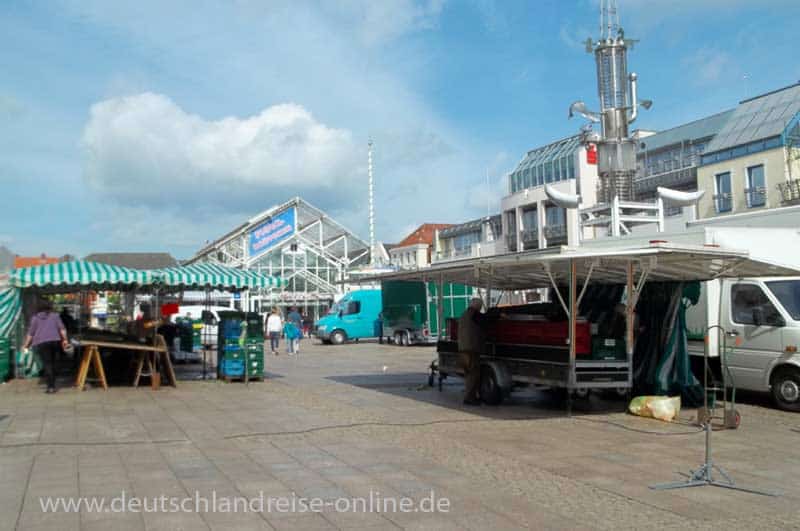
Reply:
x=409, y=313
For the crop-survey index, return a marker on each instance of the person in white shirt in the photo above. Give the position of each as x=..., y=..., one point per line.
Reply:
x=274, y=327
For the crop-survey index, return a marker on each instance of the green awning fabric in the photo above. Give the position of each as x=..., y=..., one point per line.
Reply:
x=10, y=309
x=78, y=273
x=215, y=276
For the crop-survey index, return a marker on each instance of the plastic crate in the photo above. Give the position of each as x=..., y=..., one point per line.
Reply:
x=608, y=349
x=232, y=368
x=233, y=355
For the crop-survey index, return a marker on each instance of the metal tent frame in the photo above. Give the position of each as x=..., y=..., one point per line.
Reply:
x=575, y=268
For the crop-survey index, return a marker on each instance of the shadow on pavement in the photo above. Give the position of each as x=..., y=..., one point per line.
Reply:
x=523, y=403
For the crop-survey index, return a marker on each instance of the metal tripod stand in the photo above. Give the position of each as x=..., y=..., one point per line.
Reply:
x=704, y=475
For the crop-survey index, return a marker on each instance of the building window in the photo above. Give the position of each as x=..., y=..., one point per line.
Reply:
x=463, y=242
x=756, y=191
x=722, y=199
x=571, y=166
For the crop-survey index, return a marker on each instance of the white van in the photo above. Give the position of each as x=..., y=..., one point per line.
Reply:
x=761, y=320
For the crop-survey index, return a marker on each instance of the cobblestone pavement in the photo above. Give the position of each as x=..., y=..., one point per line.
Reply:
x=341, y=422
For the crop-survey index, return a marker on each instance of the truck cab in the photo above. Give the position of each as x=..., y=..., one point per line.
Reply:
x=760, y=336
x=355, y=316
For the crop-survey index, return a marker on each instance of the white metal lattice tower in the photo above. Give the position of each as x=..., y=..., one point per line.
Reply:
x=609, y=19
x=371, y=206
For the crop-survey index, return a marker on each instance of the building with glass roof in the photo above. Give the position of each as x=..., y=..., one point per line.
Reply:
x=299, y=243
x=529, y=219
x=753, y=162
x=477, y=237
x=670, y=158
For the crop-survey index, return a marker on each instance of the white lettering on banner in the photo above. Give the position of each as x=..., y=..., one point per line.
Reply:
x=261, y=243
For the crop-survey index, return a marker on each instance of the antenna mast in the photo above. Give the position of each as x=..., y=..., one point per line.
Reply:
x=371, y=206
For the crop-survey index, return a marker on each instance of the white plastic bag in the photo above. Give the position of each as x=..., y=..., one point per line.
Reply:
x=664, y=408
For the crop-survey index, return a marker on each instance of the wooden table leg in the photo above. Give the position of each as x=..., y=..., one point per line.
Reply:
x=98, y=369
x=83, y=368
x=139, y=365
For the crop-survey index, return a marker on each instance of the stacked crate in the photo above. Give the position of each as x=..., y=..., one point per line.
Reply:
x=185, y=333
x=230, y=352
x=5, y=358
x=254, y=346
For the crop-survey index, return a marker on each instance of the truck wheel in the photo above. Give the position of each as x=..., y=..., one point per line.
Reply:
x=338, y=337
x=785, y=384
x=406, y=339
x=489, y=389
x=398, y=338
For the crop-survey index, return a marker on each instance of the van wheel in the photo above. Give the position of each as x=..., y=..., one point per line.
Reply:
x=338, y=337
x=785, y=384
x=489, y=389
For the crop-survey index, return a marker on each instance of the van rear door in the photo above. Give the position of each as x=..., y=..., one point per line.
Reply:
x=755, y=320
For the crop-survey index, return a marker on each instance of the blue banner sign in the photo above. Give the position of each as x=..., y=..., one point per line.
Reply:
x=271, y=232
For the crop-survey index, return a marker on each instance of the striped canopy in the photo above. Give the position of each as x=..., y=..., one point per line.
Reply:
x=78, y=273
x=215, y=276
x=10, y=309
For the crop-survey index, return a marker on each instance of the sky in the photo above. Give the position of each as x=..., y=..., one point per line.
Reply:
x=159, y=125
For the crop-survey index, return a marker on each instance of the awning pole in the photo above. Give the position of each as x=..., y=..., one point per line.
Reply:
x=573, y=310
x=629, y=312
x=555, y=288
x=440, y=328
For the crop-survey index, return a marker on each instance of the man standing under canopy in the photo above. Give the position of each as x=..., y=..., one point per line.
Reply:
x=471, y=344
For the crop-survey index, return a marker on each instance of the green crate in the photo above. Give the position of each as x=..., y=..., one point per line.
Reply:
x=233, y=355
x=608, y=349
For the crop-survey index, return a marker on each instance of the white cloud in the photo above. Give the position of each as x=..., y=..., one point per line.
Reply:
x=708, y=66
x=147, y=148
x=381, y=21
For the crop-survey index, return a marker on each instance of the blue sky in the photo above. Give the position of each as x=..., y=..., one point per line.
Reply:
x=159, y=125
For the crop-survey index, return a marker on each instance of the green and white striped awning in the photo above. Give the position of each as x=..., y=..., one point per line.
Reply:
x=10, y=309
x=78, y=273
x=215, y=276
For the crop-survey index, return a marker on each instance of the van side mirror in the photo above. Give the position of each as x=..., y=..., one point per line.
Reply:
x=758, y=316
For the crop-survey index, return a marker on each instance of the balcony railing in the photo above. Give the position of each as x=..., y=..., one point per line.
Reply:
x=790, y=192
x=755, y=197
x=555, y=233
x=723, y=202
x=530, y=238
x=511, y=242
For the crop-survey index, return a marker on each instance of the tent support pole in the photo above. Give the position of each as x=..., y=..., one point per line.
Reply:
x=573, y=310
x=629, y=313
x=440, y=328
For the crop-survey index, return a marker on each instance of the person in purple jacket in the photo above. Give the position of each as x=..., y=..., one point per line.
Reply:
x=47, y=336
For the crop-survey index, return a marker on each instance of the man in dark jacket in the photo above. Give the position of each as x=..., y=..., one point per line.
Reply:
x=471, y=344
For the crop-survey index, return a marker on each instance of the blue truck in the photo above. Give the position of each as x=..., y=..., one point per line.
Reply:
x=355, y=316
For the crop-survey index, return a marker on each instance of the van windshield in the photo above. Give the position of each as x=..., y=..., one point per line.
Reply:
x=788, y=293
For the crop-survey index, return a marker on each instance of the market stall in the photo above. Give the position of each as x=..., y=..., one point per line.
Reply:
x=567, y=361
x=84, y=276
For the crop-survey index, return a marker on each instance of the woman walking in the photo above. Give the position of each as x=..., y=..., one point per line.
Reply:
x=47, y=336
x=274, y=327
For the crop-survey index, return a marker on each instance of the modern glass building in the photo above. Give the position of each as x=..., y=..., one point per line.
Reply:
x=297, y=242
x=551, y=163
x=529, y=219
